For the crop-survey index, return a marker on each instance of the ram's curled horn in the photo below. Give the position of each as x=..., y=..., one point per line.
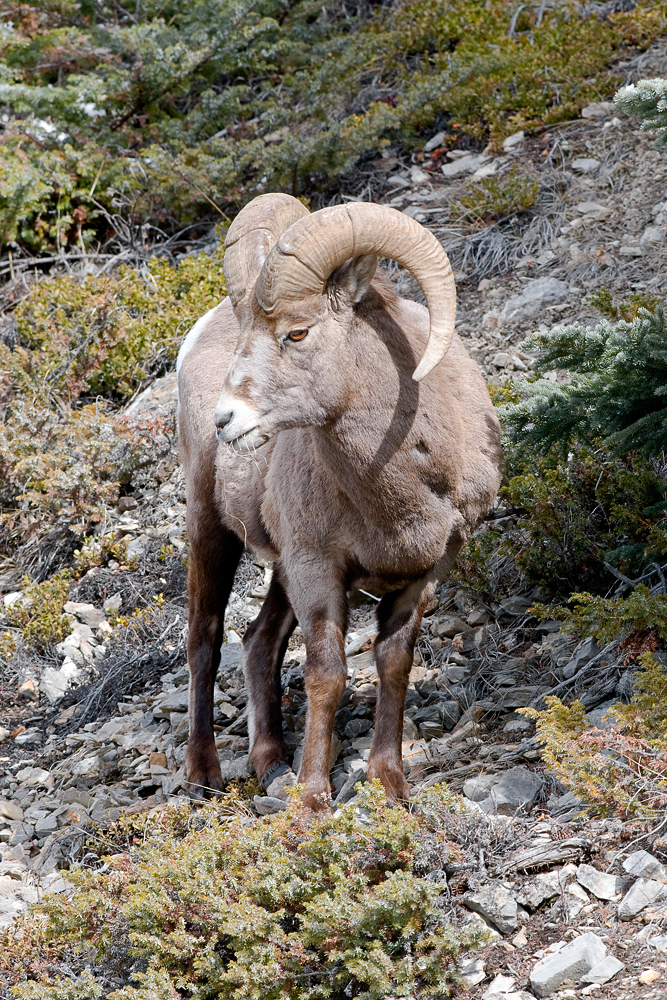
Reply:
x=311, y=249
x=251, y=236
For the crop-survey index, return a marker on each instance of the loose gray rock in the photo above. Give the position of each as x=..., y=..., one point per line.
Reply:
x=570, y=963
x=86, y=613
x=434, y=142
x=501, y=359
x=518, y=606
x=175, y=701
x=645, y=892
x=542, y=888
x=266, y=805
x=601, y=884
x=533, y=297
x=473, y=972
x=517, y=791
x=278, y=789
x=654, y=235
x=517, y=725
x=586, y=652
x=603, y=971
x=464, y=164
x=496, y=904
x=597, y=109
x=160, y=394
x=641, y=864
x=448, y=627
x=477, y=789
x=11, y=810
x=521, y=695
x=232, y=769
x=54, y=683
x=500, y=987
x=585, y=164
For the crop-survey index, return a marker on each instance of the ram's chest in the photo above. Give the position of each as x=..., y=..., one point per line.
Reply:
x=377, y=533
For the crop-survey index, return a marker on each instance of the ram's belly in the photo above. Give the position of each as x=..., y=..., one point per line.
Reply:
x=385, y=560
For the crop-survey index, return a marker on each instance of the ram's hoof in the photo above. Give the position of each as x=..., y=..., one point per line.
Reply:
x=395, y=785
x=204, y=775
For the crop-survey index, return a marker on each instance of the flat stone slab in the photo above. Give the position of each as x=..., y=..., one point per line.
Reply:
x=601, y=884
x=266, y=805
x=496, y=905
x=529, y=302
x=645, y=892
x=644, y=865
x=603, y=971
x=569, y=964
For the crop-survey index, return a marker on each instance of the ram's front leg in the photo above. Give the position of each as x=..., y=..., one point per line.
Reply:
x=399, y=617
x=214, y=556
x=320, y=603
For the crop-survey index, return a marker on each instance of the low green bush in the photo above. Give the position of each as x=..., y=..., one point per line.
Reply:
x=208, y=904
x=105, y=335
x=569, y=519
x=494, y=198
x=38, y=616
x=616, y=392
x=620, y=769
x=63, y=458
x=607, y=618
x=166, y=113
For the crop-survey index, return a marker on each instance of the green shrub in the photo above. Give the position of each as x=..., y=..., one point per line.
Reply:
x=38, y=615
x=621, y=769
x=616, y=617
x=172, y=112
x=572, y=517
x=494, y=198
x=648, y=100
x=618, y=373
x=288, y=907
x=106, y=335
x=62, y=457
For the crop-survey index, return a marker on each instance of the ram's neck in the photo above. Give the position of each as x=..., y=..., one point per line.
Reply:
x=380, y=449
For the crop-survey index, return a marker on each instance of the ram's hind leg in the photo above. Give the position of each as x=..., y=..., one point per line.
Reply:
x=399, y=617
x=214, y=555
x=264, y=644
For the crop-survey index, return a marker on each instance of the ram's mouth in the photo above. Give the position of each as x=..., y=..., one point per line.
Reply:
x=247, y=442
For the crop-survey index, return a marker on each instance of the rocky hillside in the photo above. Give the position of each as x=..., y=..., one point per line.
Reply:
x=94, y=726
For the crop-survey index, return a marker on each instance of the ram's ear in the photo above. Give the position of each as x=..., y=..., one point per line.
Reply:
x=349, y=283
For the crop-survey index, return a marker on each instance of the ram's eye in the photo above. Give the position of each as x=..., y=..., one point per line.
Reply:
x=297, y=335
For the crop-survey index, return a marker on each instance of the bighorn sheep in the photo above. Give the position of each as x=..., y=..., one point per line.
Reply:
x=306, y=436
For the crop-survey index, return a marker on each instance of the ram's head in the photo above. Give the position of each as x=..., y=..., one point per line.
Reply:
x=297, y=283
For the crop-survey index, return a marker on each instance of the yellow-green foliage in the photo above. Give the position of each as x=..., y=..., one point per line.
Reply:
x=606, y=618
x=622, y=768
x=106, y=334
x=61, y=456
x=286, y=908
x=38, y=614
x=646, y=715
x=175, y=111
x=495, y=198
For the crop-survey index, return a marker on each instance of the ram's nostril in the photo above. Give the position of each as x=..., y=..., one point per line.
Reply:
x=223, y=418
